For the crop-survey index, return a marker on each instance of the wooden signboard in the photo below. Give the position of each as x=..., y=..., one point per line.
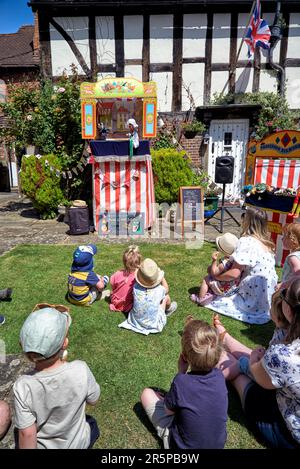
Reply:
x=191, y=205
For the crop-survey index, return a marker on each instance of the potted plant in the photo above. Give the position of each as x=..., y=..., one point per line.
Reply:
x=192, y=128
x=211, y=199
x=211, y=191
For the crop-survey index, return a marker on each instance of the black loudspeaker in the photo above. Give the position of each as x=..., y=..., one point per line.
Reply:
x=224, y=169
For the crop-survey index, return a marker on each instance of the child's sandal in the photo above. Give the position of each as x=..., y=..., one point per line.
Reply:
x=216, y=321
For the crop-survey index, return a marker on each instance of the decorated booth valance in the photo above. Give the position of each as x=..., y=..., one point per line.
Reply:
x=115, y=148
x=109, y=103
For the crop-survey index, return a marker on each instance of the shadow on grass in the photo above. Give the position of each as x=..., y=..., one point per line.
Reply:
x=259, y=334
x=193, y=290
x=142, y=416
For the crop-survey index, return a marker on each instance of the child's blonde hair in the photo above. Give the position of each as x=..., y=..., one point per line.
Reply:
x=292, y=231
x=201, y=345
x=132, y=258
x=255, y=224
x=276, y=310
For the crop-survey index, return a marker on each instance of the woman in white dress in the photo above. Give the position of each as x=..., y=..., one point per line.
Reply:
x=254, y=263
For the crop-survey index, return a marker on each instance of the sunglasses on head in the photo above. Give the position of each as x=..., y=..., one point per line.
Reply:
x=283, y=297
x=61, y=308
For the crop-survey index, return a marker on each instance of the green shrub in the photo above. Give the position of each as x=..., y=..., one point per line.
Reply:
x=41, y=184
x=171, y=170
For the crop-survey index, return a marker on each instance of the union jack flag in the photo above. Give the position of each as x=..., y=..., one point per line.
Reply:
x=258, y=32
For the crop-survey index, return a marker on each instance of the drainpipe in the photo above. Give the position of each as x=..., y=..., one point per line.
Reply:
x=275, y=38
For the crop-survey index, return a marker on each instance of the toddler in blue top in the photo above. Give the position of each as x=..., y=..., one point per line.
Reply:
x=84, y=285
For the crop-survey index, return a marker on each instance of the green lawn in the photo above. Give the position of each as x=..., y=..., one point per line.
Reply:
x=123, y=362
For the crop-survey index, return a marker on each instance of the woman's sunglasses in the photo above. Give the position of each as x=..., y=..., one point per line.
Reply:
x=283, y=297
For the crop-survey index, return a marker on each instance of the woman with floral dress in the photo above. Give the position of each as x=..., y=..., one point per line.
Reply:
x=271, y=402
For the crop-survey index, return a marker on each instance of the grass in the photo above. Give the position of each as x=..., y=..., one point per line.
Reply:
x=123, y=362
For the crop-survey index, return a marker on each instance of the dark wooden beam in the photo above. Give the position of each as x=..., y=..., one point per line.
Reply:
x=208, y=53
x=146, y=48
x=292, y=63
x=92, y=45
x=193, y=60
x=233, y=51
x=134, y=62
x=162, y=67
x=177, y=60
x=106, y=68
x=256, y=72
x=119, y=45
x=45, y=49
x=72, y=46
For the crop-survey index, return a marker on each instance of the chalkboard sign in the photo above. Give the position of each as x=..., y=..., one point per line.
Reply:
x=191, y=204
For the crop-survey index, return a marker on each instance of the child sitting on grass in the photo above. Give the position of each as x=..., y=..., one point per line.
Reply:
x=193, y=414
x=50, y=403
x=122, y=281
x=84, y=285
x=210, y=285
x=291, y=241
x=151, y=301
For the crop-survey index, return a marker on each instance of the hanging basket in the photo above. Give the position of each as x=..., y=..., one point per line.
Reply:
x=190, y=133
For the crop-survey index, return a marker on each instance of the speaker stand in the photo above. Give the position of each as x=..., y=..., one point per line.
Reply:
x=222, y=209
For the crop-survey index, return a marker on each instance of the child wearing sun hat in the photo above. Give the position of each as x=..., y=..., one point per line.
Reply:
x=151, y=301
x=210, y=285
x=84, y=285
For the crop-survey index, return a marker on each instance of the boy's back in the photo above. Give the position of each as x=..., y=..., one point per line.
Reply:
x=55, y=400
x=200, y=403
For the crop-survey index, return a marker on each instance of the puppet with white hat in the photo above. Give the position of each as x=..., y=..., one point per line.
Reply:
x=133, y=135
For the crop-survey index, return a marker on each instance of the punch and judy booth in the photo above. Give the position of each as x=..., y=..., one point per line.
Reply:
x=273, y=182
x=122, y=175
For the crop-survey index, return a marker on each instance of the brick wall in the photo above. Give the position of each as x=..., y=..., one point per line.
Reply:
x=192, y=146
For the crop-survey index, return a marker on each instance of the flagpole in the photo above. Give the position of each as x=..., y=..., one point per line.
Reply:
x=240, y=48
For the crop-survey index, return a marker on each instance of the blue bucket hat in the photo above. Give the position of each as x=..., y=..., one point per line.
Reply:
x=44, y=331
x=83, y=258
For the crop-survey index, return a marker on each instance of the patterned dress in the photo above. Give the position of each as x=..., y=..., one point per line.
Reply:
x=251, y=303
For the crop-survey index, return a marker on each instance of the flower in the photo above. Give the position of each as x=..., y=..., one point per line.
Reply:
x=269, y=123
x=61, y=90
x=29, y=117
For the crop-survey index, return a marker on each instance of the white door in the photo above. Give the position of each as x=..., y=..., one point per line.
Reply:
x=230, y=138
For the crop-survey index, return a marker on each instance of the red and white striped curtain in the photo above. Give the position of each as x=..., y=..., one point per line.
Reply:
x=123, y=186
x=278, y=173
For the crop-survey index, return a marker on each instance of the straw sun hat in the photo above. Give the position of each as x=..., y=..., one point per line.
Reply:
x=149, y=275
x=227, y=243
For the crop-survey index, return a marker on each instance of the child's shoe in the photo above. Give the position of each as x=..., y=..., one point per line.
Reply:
x=171, y=309
x=2, y=320
x=105, y=294
x=5, y=294
x=205, y=300
x=105, y=280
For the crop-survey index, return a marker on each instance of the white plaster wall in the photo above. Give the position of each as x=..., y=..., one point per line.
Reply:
x=133, y=37
x=244, y=80
x=105, y=40
x=134, y=71
x=194, y=34
x=293, y=87
x=293, y=50
x=101, y=76
x=221, y=38
x=164, y=90
x=243, y=20
x=218, y=81
x=161, y=38
x=62, y=56
x=192, y=78
x=267, y=82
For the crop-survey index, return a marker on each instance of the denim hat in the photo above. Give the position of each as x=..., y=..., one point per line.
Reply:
x=83, y=258
x=44, y=331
